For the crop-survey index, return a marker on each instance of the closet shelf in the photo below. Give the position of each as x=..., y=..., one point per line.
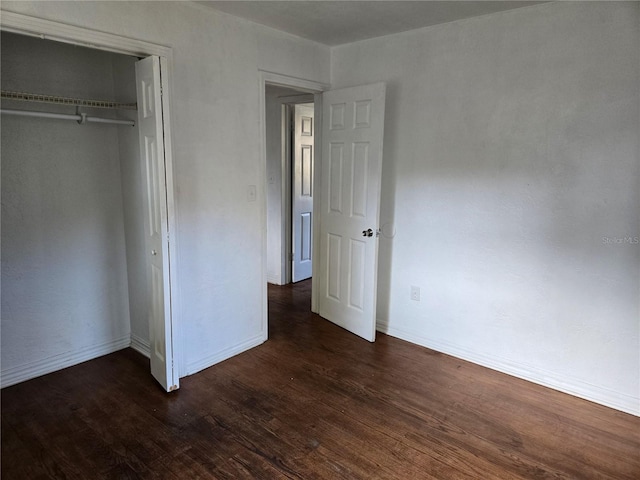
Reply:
x=36, y=97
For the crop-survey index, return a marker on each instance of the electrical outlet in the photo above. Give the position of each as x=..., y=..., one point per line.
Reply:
x=415, y=293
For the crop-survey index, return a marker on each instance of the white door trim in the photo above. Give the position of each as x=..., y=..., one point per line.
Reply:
x=86, y=37
x=270, y=78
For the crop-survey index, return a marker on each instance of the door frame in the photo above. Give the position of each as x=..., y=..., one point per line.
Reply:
x=87, y=37
x=316, y=88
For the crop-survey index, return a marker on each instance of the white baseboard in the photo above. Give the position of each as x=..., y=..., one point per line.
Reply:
x=572, y=386
x=21, y=373
x=140, y=345
x=195, y=367
x=274, y=279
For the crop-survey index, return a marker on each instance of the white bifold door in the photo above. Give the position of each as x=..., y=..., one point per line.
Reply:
x=152, y=155
x=352, y=134
x=302, y=201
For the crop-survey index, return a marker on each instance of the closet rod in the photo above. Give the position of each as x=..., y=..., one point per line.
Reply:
x=80, y=118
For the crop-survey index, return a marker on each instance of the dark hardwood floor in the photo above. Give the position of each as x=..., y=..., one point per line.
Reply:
x=312, y=402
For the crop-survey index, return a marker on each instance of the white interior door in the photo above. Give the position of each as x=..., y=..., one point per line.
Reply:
x=352, y=133
x=156, y=222
x=302, y=199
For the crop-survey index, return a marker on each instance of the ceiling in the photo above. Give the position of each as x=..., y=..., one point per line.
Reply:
x=338, y=22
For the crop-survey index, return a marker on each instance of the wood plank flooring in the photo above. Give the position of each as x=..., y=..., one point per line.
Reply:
x=314, y=402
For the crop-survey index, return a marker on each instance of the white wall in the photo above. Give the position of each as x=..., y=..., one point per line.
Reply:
x=216, y=150
x=511, y=152
x=64, y=272
x=273, y=127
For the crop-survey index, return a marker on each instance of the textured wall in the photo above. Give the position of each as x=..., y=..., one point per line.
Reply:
x=216, y=150
x=511, y=156
x=273, y=127
x=64, y=274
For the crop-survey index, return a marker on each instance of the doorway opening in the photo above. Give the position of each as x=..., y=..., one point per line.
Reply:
x=276, y=265
x=346, y=184
x=74, y=213
x=290, y=157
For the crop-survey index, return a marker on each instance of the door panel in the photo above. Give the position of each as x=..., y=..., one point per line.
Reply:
x=305, y=244
x=302, y=201
x=334, y=265
x=156, y=221
x=356, y=274
x=352, y=136
x=335, y=178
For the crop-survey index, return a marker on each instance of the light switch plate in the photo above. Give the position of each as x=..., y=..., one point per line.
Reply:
x=251, y=193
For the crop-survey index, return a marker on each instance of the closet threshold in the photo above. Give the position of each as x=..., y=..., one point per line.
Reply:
x=78, y=102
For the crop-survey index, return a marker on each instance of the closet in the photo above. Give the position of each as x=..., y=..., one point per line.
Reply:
x=74, y=281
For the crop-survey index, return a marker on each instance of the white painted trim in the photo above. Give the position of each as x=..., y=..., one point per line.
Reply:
x=225, y=354
x=27, y=371
x=572, y=386
x=61, y=32
x=140, y=345
x=295, y=99
x=301, y=84
x=274, y=279
x=286, y=251
x=310, y=86
x=262, y=179
x=56, y=31
x=317, y=197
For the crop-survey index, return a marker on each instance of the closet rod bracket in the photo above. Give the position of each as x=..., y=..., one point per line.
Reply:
x=82, y=115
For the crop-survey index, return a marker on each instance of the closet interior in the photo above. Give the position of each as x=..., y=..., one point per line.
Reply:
x=74, y=282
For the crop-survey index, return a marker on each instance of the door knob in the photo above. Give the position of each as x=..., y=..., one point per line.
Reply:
x=153, y=252
x=367, y=233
